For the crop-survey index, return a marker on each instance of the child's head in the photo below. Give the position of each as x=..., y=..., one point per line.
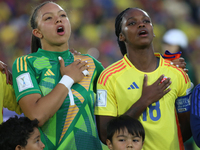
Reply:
x=125, y=132
x=20, y=134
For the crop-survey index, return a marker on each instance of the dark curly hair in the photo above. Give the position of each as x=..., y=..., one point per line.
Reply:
x=16, y=131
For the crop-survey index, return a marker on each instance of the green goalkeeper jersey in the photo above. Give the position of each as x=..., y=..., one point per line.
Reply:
x=73, y=126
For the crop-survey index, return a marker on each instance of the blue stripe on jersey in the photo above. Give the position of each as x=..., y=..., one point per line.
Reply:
x=195, y=101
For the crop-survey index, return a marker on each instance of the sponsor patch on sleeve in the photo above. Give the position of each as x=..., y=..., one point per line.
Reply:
x=24, y=82
x=101, y=98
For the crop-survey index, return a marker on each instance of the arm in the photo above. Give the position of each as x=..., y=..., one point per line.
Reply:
x=8, y=95
x=150, y=94
x=183, y=105
x=4, y=69
x=184, y=120
x=43, y=108
x=195, y=116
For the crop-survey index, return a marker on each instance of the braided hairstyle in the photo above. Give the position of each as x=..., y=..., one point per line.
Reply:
x=118, y=22
x=35, y=41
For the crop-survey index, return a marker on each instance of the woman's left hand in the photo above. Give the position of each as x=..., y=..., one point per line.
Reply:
x=180, y=63
x=74, y=52
x=4, y=69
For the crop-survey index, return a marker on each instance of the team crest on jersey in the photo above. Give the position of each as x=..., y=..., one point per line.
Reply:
x=101, y=98
x=24, y=82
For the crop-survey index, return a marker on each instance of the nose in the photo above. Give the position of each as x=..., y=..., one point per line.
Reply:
x=129, y=144
x=58, y=20
x=141, y=24
x=42, y=145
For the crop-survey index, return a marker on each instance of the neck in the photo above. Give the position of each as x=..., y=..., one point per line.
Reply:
x=143, y=59
x=55, y=48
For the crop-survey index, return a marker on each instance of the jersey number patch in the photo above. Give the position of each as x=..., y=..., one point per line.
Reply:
x=153, y=109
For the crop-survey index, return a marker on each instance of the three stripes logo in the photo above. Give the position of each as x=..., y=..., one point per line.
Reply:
x=133, y=86
x=49, y=73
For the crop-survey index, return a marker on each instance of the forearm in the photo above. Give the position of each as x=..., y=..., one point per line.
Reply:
x=43, y=108
x=184, y=120
x=137, y=108
x=195, y=127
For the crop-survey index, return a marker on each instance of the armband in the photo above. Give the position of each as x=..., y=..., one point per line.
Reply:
x=67, y=81
x=171, y=56
x=183, y=104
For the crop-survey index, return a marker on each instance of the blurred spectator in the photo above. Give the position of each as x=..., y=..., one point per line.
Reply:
x=175, y=40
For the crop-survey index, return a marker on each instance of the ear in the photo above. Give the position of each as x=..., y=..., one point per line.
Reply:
x=154, y=35
x=109, y=144
x=37, y=33
x=18, y=147
x=121, y=37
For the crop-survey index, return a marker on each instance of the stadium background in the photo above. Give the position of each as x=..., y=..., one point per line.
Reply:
x=93, y=29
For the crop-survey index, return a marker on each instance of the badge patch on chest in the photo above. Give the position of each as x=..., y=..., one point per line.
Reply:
x=24, y=82
x=101, y=98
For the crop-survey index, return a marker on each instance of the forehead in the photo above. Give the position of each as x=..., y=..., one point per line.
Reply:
x=135, y=12
x=49, y=7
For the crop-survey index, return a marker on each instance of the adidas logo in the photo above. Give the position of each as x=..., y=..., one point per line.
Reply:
x=49, y=73
x=133, y=86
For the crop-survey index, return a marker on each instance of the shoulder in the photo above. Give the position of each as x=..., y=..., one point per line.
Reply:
x=112, y=71
x=175, y=71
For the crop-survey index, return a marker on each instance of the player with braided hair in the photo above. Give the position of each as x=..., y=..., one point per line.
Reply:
x=145, y=86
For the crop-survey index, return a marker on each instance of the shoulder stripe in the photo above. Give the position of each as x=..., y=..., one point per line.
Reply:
x=127, y=61
x=17, y=65
x=183, y=73
x=22, y=64
x=106, y=71
x=113, y=73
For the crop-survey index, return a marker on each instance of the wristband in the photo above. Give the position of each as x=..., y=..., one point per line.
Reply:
x=67, y=81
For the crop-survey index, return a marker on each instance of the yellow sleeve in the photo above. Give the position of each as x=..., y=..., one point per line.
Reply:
x=106, y=103
x=185, y=85
x=9, y=99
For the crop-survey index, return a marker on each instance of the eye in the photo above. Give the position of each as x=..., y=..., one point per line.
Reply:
x=48, y=18
x=131, y=23
x=135, y=140
x=121, y=140
x=146, y=21
x=63, y=15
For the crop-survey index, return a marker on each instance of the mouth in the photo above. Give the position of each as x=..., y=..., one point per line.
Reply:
x=60, y=30
x=143, y=33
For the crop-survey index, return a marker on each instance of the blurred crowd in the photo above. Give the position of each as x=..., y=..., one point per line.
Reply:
x=92, y=24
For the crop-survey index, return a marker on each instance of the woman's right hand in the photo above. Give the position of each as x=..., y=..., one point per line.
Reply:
x=74, y=70
x=157, y=90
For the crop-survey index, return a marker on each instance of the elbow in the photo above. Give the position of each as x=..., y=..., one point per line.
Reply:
x=40, y=117
x=103, y=138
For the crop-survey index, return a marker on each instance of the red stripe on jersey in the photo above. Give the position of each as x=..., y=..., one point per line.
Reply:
x=167, y=61
x=127, y=61
x=180, y=139
x=108, y=70
x=113, y=73
x=184, y=75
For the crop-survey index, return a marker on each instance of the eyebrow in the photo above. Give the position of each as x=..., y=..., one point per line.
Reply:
x=134, y=17
x=51, y=12
x=37, y=137
x=121, y=135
